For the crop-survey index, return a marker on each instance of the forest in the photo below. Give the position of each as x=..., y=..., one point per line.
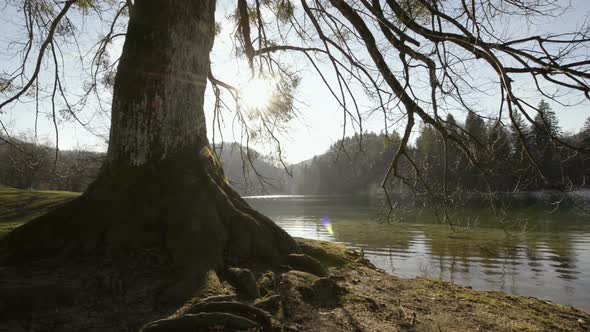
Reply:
x=357, y=164
x=30, y=165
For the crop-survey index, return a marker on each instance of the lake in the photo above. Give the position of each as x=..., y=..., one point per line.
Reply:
x=546, y=256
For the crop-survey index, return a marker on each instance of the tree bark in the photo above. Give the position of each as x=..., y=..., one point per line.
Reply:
x=161, y=185
x=161, y=80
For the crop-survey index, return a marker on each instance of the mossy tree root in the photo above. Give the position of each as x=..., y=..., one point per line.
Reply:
x=204, y=321
x=260, y=316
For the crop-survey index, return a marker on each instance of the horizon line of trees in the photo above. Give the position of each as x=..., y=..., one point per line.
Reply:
x=500, y=160
x=353, y=165
x=33, y=165
x=36, y=165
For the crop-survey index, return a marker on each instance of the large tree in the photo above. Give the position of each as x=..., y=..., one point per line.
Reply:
x=162, y=185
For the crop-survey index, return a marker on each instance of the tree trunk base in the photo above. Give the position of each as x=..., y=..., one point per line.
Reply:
x=181, y=206
x=150, y=237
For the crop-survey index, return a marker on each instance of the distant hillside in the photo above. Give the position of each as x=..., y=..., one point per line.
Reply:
x=251, y=173
x=34, y=166
x=28, y=165
x=352, y=165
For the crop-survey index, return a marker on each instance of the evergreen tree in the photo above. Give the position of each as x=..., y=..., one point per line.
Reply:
x=584, y=158
x=543, y=147
x=455, y=158
x=476, y=129
x=499, y=147
x=585, y=134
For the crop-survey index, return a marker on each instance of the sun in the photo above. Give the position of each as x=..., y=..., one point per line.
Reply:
x=256, y=93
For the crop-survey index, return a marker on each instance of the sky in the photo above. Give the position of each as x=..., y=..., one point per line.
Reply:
x=319, y=123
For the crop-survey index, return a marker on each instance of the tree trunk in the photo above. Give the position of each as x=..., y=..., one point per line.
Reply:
x=160, y=83
x=161, y=186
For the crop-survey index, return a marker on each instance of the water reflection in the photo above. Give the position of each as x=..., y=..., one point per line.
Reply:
x=551, y=260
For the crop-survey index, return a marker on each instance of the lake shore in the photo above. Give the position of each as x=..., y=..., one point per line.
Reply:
x=378, y=301
x=353, y=294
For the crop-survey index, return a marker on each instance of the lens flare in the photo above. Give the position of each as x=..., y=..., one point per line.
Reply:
x=327, y=225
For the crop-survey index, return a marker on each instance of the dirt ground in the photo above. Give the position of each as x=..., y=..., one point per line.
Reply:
x=344, y=293
x=375, y=301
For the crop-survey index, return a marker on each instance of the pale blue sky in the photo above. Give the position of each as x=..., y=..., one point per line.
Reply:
x=320, y=121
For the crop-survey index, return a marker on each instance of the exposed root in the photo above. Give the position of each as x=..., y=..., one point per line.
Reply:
x=244, y=281
x=219, y=298
x=260, y=316
x=298, y=289
x=306, y=263
x=267, y=283
x=219, y=321
x=271, y=304
x=190, y=214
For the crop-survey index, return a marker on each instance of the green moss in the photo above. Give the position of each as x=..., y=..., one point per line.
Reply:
x=299, y=279
x=328, y=253
x=484, y=298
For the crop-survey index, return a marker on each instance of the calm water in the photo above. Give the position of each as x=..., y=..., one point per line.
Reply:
x=550, y=260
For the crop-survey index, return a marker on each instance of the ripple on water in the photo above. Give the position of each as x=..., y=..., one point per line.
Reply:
x=552, y=261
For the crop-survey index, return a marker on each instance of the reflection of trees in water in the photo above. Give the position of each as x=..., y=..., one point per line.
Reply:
x=496, y=255
x=499, y=256
x=424, y=269
x=533, y=256
x=554, y=248
x=546, y=260
x=561, y=253
x=486, y=248
x=374, y=236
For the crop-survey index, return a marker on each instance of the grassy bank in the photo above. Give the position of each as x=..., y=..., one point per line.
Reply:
x=19, y=206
